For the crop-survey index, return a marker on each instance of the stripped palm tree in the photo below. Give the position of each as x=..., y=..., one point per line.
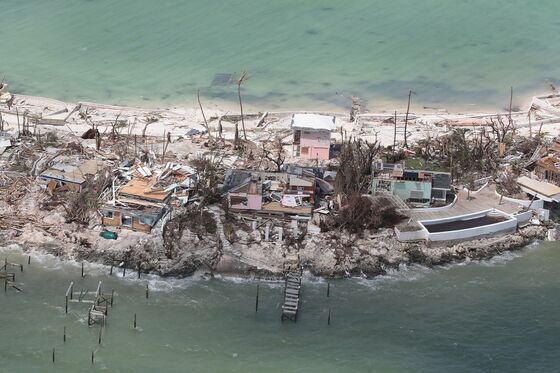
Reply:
x=242, y=78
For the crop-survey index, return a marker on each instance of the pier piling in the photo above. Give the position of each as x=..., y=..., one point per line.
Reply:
x=64, y=337
x=92, y=357
x=29, y=260
x=147, y=292
x=329, y=318
x=257, y=300
x=139, y=269
x=328, y=289
x=111, y=271
x=82, y=269
x=134, y=321
x=53, y=353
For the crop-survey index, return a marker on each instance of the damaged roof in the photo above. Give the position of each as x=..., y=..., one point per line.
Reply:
x=313, y=121
x=541, y=187
x=142, y=188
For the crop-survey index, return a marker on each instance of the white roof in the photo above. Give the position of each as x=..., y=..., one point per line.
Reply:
x=540, y=187
x=313, y=121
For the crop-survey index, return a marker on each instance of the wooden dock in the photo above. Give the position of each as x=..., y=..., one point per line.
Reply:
x=292, y=292
x=100, y=302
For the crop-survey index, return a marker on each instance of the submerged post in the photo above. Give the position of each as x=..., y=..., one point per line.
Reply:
x=111, y=271
x=134, y=321
x=64, y=337
x=329, y=318
x=82, y=269
x=257, y=300
x=147, y=292
x=100, y=331
x=328, y=289
x=29, y=260
x=53, y=351
x=92, y=357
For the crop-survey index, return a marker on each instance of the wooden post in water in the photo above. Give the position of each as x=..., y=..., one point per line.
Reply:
x=124, y=270
x=82, y=269
x=257, y=300
x=147, y=292
x=328, y=289
x=112, y=296
x=111, y=272
x=100, y=331
x=53, y=352
x=134, y=321
x=64, y=337
x=329, y=318
x=92, y=357
x=139, y=264
x=6, y=285
x=29, y=260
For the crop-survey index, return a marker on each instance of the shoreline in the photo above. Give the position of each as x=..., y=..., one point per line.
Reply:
x=358, y=264
x=384, y=105
x=36, y=252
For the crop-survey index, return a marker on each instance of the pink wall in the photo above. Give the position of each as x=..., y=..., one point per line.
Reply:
x=315, y=153
x=315, y=139
x=254, y=201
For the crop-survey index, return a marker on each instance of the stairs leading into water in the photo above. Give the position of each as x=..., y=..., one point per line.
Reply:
x=292, y=291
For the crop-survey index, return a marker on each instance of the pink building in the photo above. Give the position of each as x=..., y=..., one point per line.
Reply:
x=312, y=135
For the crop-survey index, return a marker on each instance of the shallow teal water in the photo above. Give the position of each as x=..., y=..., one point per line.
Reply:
x=299, y=54
x=495, y=316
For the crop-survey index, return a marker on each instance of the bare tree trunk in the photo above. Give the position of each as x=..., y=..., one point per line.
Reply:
x=530, y=125
x=236, y=138
x=241, y=109
x=203, y=116
x=395, y=134
x=510, y=106
x=406, y=120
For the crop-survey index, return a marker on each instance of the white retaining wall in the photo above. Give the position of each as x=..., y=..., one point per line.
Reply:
x=421, y=234
x=508, y=225
x=537, y=203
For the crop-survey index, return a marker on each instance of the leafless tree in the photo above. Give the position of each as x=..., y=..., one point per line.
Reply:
x=354, y=172
x=274, y=151
x=242, y=78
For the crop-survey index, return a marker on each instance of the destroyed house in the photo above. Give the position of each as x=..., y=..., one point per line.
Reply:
x=138, y=205
x=312, y=135
x=69, y=177
x=414, y=187
x=269, y=192
x=548, y=167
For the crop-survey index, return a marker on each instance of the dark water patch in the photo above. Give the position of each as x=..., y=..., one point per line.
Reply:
x=326, y=9
x=108, y=93
x=292, y=82
x=444, y=65
x=429, y=91
x=326, y=84
x=165, y=96
x=311, y=31
x=333, y=99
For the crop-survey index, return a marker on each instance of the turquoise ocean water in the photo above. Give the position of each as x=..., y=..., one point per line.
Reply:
x=301, y=54
x=499, y=315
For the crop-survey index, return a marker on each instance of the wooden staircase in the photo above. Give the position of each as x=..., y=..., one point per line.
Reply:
x=292, y=290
